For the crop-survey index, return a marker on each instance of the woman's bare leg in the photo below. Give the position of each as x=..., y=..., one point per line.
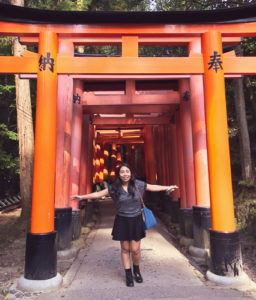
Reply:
x=125, y=254
x=135, y=249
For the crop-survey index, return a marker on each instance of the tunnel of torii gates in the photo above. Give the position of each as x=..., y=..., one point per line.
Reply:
x=164, y=115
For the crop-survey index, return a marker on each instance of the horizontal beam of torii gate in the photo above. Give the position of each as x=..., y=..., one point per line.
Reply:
x=101, y=121
x=105, y=140
x=127, y=65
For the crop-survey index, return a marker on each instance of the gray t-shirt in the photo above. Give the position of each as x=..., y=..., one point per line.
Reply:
x=126, y=205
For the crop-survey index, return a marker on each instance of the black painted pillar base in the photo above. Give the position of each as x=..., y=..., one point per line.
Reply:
x=167, y=204
x=226, y=257
x=151, y=199
x=201, y=226
x=89, y=210
x=186, y=222
x=63, y=226
x=76, y=224
x=181, y=221
x=41, y=256
x=175, y=205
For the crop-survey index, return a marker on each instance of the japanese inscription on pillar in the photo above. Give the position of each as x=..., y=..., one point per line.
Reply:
x=76, y=99
x=43, y=61
x=215, y=62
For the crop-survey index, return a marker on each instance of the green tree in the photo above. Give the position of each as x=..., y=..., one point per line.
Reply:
x=198, y=4
x=9, y=155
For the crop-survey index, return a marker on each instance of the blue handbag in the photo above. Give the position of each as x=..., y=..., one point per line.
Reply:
x=147, y=214
x=149, y=217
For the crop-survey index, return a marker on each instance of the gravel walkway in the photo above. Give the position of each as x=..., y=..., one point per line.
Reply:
x=97, y=273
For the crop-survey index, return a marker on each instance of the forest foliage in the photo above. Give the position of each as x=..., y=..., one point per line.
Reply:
x=9, y=156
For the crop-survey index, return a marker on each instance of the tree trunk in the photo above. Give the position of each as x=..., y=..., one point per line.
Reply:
x=252, y=99
x=25, y=132
x=244, y=141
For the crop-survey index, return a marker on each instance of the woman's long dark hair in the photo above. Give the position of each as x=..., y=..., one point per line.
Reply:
x=117, y=185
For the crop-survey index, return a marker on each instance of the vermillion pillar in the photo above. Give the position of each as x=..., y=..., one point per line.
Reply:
x=160, y=154
x=41, y=251
x=90, y=160
x=163, y=154
x=150, y=155
x=157, y=153
x=182, y=186
x=168, y=177
x=186, y=131
x=76, y=142
x=174, y=170
x=63, y=212
x=201, y=211
x=141, y=162
x=174, y=165
x=168, y=155
x=224, y=239
x=84, y=155
x=64, y=119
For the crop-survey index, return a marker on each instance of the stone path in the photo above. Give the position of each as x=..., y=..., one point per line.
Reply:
x=97, y=273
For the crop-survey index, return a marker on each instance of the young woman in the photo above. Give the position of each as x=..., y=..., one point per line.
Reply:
x=128, y=225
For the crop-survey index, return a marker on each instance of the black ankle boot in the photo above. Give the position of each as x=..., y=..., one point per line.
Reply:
x=137, y=276
x=129, y=279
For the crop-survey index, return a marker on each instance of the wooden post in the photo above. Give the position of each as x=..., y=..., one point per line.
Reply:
x=41, y=250
x=182, y=186
x=42, y=218
x=84, y=155
x=201, y=211
x=186, y=131
x=199, y=135
x=157, y=153
x=225, y=248
x=174, y=165
x=217, y=134
x=64, y=125
x=76, y=141
x=150, y=155
x=89, y=180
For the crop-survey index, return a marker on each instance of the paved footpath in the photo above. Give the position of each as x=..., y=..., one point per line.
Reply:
x=97, y=273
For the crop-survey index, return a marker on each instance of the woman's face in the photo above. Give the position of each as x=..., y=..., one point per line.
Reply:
x=125, y=174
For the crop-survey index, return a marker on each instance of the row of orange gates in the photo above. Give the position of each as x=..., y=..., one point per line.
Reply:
x=107, y=158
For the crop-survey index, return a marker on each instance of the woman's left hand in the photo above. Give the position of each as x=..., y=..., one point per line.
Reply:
x=171, y=189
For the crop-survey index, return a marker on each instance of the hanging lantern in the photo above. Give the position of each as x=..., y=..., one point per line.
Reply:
x=101, y=177
x=105, y=154
x=113, y=158
x=101, y=162
x=119, y=158
x=97, y=177
x=97, y=165
x=112, y=175
x=105, y=173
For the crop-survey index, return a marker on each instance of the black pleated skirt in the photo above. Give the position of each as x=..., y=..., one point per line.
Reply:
x=128, y=228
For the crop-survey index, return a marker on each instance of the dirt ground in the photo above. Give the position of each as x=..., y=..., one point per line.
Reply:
x=12, y=248
x=12, y=251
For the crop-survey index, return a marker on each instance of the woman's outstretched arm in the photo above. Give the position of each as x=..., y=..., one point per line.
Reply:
x=159, y=188
x=94, y=195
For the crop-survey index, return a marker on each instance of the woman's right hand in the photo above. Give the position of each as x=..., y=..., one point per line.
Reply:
x=77, y=197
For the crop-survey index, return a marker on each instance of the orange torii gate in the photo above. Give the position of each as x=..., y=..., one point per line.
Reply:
x=201, y=81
